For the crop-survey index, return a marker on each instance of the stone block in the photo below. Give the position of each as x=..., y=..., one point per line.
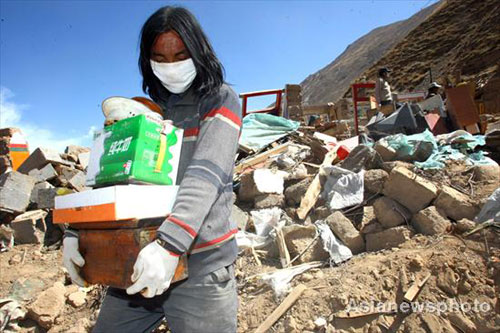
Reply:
x=455, y=204
x=369, y=223
x=34, y=193
x=295, y=193
x=75, y=178
x=40, y=158
x=44, y=174
x=77, y=299
x=343, y=228
x=29, y=228
x=48, y=172
x=362, y=158
x=298, y=237
x=247, y=191
x=390, y=213
x=465, y=225
x=461, y=321
x=375, y=179
x=46, y=196
x=269, y=200
x=410, y=190
x=240, y=217
x=75, y=150
x=430, y=221
x=70, y=158
x=388, y=238
x=387, y=153
x=15, y=191
x=48, y=306
x=388, y=166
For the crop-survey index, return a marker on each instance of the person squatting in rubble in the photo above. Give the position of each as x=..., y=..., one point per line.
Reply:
x=383, y=93
x=182, y=74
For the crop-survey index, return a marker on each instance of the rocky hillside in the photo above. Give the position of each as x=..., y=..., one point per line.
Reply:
x=463, y=36
x=330, y=83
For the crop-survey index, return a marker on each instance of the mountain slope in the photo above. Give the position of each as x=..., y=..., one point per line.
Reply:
x=464, y=36
x=330, y=83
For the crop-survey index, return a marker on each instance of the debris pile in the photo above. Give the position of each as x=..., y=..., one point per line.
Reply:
x=27, y=194
x=337, y=232
x=400, y=213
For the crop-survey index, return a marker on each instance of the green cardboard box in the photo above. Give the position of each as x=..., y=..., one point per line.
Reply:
x=139, y=149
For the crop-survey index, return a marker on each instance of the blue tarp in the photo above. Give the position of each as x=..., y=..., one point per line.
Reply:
x=457, y=147
x=260, y=129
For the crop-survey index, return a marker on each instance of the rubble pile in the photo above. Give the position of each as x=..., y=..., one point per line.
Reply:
x=336, y=233
x=407, y=223
x=28, y=193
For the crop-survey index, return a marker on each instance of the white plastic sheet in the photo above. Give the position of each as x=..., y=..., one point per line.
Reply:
x=247, y=240
x=343, y=188
x=338, y=251
x=280, y=279
x=265, y=220
x=491, y=209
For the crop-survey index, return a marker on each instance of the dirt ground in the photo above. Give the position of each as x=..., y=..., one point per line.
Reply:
x=461, y=271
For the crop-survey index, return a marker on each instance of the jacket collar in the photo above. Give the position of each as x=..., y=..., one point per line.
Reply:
x=187, y=98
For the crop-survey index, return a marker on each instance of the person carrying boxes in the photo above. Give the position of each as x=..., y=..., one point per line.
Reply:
x=183, y=75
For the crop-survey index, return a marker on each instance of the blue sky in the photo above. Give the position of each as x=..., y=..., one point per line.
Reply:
x=60, y=59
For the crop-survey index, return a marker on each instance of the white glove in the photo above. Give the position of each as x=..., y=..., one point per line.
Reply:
x=72, y=258
x=153, y=270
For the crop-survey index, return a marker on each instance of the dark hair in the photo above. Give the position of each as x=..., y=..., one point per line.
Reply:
x=210, y=72
x=382, y=71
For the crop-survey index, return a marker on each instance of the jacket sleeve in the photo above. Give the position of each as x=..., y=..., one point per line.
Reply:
x=209, y=171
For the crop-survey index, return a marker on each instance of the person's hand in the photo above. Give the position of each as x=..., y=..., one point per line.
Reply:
x=73, y=259
x=153, y=270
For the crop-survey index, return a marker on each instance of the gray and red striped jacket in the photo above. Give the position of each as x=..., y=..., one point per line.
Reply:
x=200, y=220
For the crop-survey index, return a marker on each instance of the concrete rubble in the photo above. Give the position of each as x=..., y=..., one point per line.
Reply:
x=27, y=194
x=402, y=205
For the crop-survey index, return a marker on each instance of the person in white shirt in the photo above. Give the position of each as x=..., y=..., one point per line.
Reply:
x=383, y=93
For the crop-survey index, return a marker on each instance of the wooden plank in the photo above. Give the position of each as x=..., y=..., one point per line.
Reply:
x=260, y=158
x=312, y=193
x=281, y=309
x=416, y=287
x=359, y=314
x=283, y=250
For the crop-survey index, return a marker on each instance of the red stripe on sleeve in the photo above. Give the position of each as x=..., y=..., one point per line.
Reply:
x=191, y=131
x=226, y=113
x=183, y=225
x=217, y=240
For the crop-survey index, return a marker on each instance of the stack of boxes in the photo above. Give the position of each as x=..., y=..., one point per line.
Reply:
x=132, y=170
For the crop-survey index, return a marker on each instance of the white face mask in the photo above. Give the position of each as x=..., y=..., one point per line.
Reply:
x=177, y=76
